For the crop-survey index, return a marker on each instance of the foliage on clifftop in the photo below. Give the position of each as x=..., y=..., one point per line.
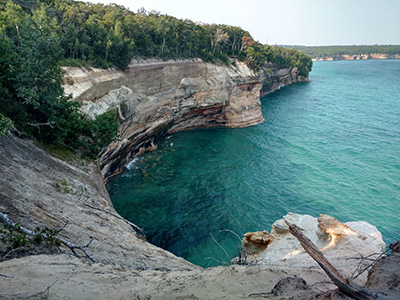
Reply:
x=110, y=35
x=322, y=51
x=37, y=36
x=31, y=92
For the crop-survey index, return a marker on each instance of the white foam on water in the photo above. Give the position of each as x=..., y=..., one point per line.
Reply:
x=132, y=164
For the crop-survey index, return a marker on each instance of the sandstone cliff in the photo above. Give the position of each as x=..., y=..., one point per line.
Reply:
x=154, y=98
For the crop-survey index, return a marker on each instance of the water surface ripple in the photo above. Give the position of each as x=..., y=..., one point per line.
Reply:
x=329, y=146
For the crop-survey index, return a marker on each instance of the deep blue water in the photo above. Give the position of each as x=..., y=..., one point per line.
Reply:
x=330, y=146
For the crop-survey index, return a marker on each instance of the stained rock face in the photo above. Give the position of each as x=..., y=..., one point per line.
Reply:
x=154, y=98
x=332, y=226
x=255, y=242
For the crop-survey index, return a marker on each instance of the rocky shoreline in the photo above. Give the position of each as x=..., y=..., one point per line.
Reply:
x=357, y=57
x=41, y=190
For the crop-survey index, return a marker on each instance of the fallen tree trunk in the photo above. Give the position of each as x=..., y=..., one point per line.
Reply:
x=348, y=287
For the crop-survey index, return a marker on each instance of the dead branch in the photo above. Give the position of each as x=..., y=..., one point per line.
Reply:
x=118, y=217
x=71, y=246
x=11, y=251
x=223, y=263
x=45, y=294
x=228, y=230
x=4, y=275
x=47, y=290
x=62, y=227
x=241, y=252
x=363, y=258
x=263, y=295
x=37, y=125
x=348, y=287
x=223, y=249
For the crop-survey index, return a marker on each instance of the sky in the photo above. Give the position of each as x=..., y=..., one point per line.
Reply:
x=290, y=22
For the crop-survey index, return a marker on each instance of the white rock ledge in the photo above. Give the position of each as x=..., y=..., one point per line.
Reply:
x=343, y=245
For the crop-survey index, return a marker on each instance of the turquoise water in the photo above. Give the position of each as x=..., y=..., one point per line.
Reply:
x=330, y=146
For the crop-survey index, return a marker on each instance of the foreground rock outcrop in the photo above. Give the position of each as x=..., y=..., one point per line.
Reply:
x=343, y=244
x=154, y=98
x=41, y=190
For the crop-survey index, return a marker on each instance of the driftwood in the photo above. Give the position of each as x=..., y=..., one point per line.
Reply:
x=346, y=286
x=71, y=246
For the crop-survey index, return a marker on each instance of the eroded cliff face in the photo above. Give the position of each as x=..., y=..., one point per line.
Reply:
x=275, y=77
x=154, y=98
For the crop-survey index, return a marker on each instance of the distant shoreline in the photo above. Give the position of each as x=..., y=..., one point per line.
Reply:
x=357, y=57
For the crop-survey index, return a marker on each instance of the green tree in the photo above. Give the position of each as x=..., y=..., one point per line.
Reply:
x=11, y=19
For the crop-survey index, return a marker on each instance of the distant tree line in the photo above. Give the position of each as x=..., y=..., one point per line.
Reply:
x=39, y=36
x=322, y=51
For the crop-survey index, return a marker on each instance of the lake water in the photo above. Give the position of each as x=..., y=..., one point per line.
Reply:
x=330, y=146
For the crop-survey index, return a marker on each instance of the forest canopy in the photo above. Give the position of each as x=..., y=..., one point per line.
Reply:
x=39, y=36
x=110, y=35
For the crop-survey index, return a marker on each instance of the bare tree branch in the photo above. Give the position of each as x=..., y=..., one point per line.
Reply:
x=59, y=230
x=241, y=251
x=118, y=217
x=11, y=251
x=3, y=275
x=226, y=253
x=71, y=246
x=37, y=125
x=367, y=267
